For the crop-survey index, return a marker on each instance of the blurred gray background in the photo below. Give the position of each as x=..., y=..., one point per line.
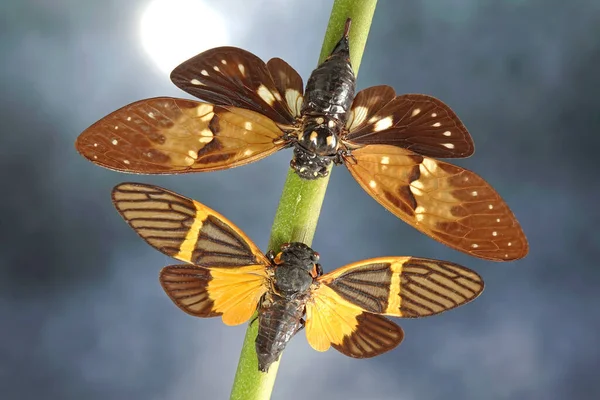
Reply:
x=82, y=313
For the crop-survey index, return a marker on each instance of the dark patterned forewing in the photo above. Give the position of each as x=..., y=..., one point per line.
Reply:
x=416, y=122
x=173, y=136
x=289, y=84
x=232, y=76
x=450, y=204
x=404, y=286
x=233, y=293
x=366, y=104
x=183, y=228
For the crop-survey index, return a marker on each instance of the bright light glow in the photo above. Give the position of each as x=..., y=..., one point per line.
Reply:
x=174, y=30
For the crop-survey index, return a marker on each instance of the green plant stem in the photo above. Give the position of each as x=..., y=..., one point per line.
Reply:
x=301, y=200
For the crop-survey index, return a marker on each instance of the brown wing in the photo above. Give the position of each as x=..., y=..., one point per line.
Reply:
x=233, y=293
x=446, y=202
x=232, y=76
x=416, y=122
x=407, y=287
x=172, y=136
x=183, y=228
x=330, y=321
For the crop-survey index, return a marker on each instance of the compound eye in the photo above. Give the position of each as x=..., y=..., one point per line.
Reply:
x=315, y=256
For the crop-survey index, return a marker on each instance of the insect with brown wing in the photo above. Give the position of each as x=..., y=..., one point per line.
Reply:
x=255, y=109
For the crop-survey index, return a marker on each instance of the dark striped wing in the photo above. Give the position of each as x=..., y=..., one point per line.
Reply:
x=232, y=76
x=233, y=293
x=406, y=287
x=448, y=203
x=165, y=135
x=183, y=228
x=416, y=122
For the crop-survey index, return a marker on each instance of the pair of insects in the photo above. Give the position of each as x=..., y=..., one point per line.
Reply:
x=386, y=142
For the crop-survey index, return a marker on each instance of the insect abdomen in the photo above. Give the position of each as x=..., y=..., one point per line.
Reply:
x=330, y=88
x=278, y=322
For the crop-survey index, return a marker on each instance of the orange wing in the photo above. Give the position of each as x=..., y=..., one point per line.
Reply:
x=345, y=307
x=407, y=287
x=185, y=229
x=331, y=321
x=450, y=204
x=233, y=293
x=172, y=136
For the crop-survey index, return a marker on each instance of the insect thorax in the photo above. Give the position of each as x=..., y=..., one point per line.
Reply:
x=295, y=266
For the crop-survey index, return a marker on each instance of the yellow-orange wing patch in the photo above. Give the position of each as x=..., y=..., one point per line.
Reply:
x=449, y=203
x=332, y=321
x=183, y=228
x=166, y=135
x=407, y=287
x=233, y=293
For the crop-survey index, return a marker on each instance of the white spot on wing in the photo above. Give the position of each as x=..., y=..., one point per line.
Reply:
x=358, y=116
x=291, y=97
x=224, y=62
x=491, y=206
x=474, y=193
x=128, y=118
x=248, y=125
x=428, y=166
x=383, y=124
x=151, y=115
x=196, y=82
x=494, y=233
x=385, y=160
x=115, y=142
x=266, y=95
x=248, y=152
x=415, y=112
x=509, y=243
x=95, y=144
x=437, y=125
x=419, y=211
x=447, y=133
x=474, y=245
x=498, y=220
x=216, y=68
x=193, y=154
x=116, y=127
x=242, y=69
x=204, y=72
x=433, y=115
x=373, y=184
x=448, y=145
x=126, y=162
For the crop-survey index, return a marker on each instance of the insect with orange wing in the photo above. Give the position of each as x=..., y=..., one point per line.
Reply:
x=229, y=276
x=385, y=141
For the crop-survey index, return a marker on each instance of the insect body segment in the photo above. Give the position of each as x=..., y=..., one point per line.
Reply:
x=229, y=276
x=386, y=141
x=328, y=97
x=281, y=311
